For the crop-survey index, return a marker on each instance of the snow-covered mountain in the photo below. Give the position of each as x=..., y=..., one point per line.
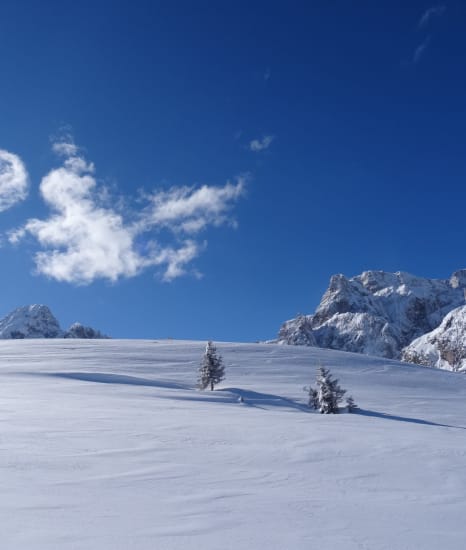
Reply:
x=444, y=347
x=77, y=330
x=37, y=321
x=376, y=313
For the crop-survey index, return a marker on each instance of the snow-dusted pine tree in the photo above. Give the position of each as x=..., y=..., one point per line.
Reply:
x=350, y=404
x=329, y=393
x=313, y=401
x=211, y=371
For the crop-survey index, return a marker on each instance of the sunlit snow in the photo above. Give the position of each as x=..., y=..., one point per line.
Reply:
x=108, y=445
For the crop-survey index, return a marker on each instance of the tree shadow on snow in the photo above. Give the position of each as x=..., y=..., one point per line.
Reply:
x=246, y=398
x=262, y=400
x=376, y=414
x=110, y=378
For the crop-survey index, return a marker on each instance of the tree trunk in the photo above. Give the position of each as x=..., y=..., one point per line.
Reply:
x=211, y=386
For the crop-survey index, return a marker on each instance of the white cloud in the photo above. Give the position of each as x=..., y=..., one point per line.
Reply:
x=85, y=239
x=190, y=210
x=435, y=11
x=419, y=51
x=257, y=145
x=13, y=180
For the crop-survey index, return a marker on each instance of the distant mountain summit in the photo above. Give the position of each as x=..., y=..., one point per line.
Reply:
x=376, y=313
x=37, y=321
x=77, y=330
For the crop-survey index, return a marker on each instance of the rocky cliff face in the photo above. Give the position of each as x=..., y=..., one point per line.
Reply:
x=77, y=330
x=376, y=313
x=444, y=347
x=37, y=321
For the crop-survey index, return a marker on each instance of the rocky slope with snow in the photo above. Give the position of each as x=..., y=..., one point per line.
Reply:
x=376, y=313
x=37, y=321
x=444, y=347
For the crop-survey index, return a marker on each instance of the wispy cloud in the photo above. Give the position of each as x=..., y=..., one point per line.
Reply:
x=420, y=50
x=257, y=145
x=430, y=13
x=190, y=210
x=85, y=238
x=13, y=180
x=424, y=22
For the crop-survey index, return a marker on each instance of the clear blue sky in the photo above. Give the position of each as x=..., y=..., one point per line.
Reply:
x=346, y=121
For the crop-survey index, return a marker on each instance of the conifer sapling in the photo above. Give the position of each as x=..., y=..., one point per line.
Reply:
x=211, y=371
x=350, y=404
x=329, y=393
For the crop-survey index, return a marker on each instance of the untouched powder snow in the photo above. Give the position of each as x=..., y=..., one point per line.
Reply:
x=107, y=445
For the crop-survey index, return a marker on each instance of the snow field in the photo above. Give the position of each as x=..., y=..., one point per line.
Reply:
x=108, y=445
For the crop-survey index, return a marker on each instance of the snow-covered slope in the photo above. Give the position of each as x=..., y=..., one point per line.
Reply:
x=376, y=313
x=444, y=347
x=107, y=445
x=37, y=321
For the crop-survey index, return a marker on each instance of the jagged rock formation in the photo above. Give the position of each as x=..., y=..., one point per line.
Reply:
x=444, y=347
x=37, y=321
x=77, y=330
x=376, y=313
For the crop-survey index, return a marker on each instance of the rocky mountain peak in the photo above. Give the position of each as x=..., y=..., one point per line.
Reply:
x=376, y=312
x=37, y=321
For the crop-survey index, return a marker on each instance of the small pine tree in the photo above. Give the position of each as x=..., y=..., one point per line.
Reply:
x=211, y=371
x=350, y=404
x=329, y=393
x=313, y=401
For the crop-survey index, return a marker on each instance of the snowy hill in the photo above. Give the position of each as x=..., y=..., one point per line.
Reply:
x=107, y=445
x=444, y=347
x=376, y=313
x=37, y=321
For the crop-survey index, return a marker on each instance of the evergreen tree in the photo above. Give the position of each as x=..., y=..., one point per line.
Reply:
x=313, y=397
x=350, y=404
x=329, y=393
x=211, y=371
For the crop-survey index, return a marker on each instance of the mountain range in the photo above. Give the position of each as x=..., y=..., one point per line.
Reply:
x=393, y=315
x=37, y=321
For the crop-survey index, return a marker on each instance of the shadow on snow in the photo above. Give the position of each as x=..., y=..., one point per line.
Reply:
x=248, y=398
x=108, y=378
x=223, y=395
x=375, y=414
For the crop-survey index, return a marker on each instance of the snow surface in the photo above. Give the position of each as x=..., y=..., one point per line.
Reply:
x=107, y=445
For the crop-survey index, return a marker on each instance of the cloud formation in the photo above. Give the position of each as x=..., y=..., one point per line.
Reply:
x=190, y=210
x=13, y=180
x=420, y=50
x=85, y=238
x=257, y=145
x=429, y=14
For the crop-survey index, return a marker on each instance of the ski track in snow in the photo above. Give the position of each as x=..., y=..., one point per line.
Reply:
x=108, y=445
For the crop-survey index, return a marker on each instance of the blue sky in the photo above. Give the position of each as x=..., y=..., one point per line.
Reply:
x=200, y=169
